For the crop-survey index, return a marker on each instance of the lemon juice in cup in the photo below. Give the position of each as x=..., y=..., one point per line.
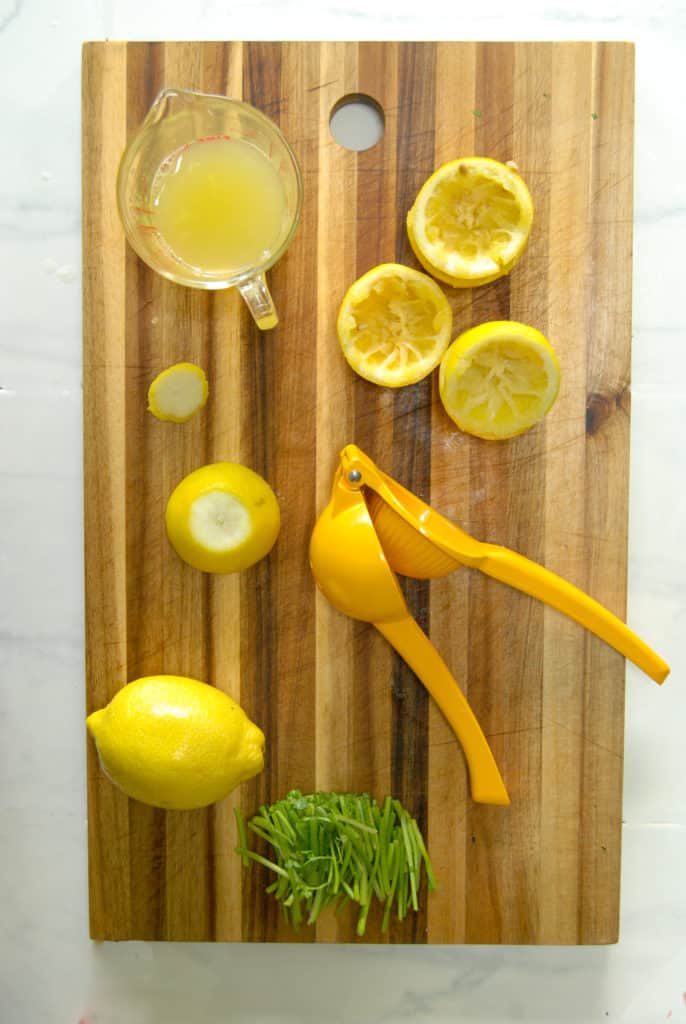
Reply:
x=209, y=193
x=219, y=205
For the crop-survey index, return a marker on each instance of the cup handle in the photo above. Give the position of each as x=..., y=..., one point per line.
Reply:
x=259, y=301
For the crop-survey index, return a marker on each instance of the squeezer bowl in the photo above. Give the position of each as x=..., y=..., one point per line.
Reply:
x=407, y=551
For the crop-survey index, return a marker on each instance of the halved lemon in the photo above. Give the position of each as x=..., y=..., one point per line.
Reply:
x=222, y=518
x=498, y=379
x=178, y=392
x=394, y=325
x=470, y=221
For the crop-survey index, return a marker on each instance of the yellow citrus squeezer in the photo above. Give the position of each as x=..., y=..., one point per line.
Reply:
x=373, y=528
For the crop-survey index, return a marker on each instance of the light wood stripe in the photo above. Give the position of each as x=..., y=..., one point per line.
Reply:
x=185, y=317
x=496, y=663
x=448, y=780
x=336, y=264
x=607, y=485
x=565, y=541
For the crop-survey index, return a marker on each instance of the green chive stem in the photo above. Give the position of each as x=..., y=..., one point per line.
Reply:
x=331, y=848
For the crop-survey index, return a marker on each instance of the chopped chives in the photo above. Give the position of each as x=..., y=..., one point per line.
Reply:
x=329, y=848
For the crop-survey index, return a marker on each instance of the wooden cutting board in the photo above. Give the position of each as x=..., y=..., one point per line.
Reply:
x=338, y=707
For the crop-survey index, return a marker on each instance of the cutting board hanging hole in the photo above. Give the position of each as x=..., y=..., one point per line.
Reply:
x=357, y=121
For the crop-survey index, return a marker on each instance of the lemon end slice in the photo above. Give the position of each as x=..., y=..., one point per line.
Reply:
x=178, y=392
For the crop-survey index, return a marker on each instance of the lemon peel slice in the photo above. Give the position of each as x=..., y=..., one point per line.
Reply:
x=499, y=379
x=394, y=324
x=470, y=221
x=222, y=518
x=178, y=392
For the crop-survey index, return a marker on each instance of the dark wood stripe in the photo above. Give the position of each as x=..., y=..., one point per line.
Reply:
x=372, y=210
x=262, y=77
x=292, y=391
x=412, y=450
x=211, y=601
x=493, y=113
x=257, y=628
x=210, y=364
x=493, y=137
x=285, y=388
x=259, y=671
x=224, y=72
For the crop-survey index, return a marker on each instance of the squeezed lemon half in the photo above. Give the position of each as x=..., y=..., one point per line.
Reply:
x=394, y=325
x=470, y=221
x=178, y=392
x=222, y=518
x=499, y=379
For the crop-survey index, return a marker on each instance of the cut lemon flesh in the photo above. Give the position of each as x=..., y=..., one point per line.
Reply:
x=470, y=221
x=219, y=521
x=178, y=392
x=499, y=379
x=222, y=518
x=394, y=325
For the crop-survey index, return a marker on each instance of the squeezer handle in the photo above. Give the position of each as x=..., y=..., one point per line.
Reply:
x=531, y=578
x=414, y=646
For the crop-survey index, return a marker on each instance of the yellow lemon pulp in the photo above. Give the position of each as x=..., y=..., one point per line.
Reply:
x=394, y=325
x=222, y=518
x=176, y=742
x=498, y=379
x=470, y=221
x=178, y=392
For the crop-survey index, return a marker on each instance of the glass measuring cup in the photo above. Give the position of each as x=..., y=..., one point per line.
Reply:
x=176, y=133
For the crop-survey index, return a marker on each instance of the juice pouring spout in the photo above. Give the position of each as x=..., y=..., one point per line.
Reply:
x=170, y=102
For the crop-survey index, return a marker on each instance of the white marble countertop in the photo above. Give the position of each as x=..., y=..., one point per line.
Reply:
x=49, y=969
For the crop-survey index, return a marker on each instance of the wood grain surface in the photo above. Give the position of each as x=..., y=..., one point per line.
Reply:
x=338, y=707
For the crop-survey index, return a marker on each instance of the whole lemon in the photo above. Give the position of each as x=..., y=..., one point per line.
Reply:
x=176, y=742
